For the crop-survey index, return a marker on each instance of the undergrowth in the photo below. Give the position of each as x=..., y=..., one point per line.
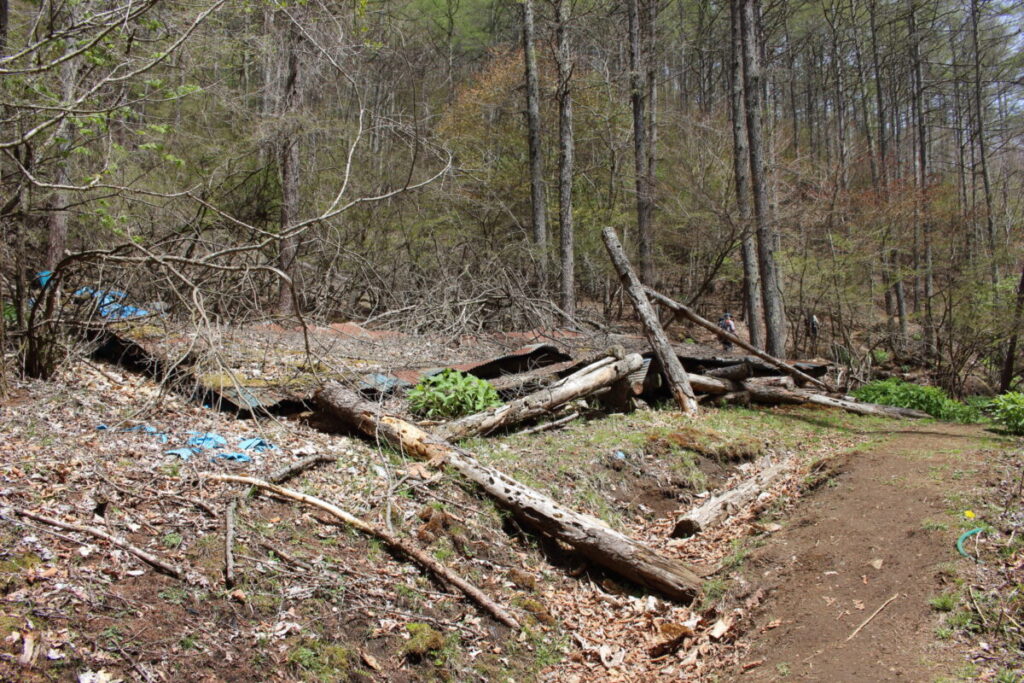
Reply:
x=451, y=393
x=931, y=400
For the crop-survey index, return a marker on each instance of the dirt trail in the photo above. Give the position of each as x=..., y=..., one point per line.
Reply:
x=895, y=502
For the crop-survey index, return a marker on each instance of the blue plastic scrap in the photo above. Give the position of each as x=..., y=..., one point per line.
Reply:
x=203, y=440
x=42, y=278
x=183, y=453
x=234, y=457
x=256, y=444
x=161, y=436
x=109, y=305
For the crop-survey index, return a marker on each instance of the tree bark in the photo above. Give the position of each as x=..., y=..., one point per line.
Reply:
x=600, y=374
x=589, y=535
x=767, y=237
x=538, y=193
x=716, y=509
x=566, y=157
x=1006, y=376
x=673, y=369
x=741, y=171
x=638, y=99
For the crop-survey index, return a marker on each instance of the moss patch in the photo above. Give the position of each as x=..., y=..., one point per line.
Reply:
x=423, y=639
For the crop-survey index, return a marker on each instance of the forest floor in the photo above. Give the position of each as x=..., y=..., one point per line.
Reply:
x=872, y=511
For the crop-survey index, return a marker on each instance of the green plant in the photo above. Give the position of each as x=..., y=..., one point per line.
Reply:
x=172, y=539
x=880, y=356
x=1008, y=412
x=931, y=400
x=943, y=603
x=451, y=393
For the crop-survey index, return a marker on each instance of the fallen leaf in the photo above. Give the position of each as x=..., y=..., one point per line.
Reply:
x=370, y=660
x=238, y=594
x=611, y=657
x=720, y=628
x=877, y=564
x=774, y=623
x=859, y=604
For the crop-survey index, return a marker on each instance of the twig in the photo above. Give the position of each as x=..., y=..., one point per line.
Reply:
x=146, y=557
x=554, y=424
x=873, y=615
x=229, y=542
x=398, y=544
x=285, y=473
x=301, y=564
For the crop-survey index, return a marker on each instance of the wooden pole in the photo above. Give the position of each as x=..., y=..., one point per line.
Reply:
x=678, y=383
x=692, y=315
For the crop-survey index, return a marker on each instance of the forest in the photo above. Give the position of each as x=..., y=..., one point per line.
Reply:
x=285, y=217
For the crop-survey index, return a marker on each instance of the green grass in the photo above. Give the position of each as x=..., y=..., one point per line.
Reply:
x=944, y=602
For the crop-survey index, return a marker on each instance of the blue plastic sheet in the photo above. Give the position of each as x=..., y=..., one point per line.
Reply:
x=203, y=440
x=162, y=437
x=110, y=305
x=42, y=278
x=256, y=444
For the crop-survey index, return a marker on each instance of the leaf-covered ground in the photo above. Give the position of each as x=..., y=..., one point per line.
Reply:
x=315, y=601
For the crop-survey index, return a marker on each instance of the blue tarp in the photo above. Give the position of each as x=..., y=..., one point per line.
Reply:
x=110, y=305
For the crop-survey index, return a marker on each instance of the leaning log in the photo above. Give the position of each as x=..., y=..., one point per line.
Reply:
x=717, y=508
x=600, y=374
x=671, y=367
x=588, y=535
x=692, y=315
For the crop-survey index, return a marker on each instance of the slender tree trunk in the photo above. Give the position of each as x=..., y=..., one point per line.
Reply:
x=566, y=155
x=979, y=117
x=638, y=90
x=288, y=161
x=741, y=170
x=767, y=238
x=57, y=234
x=1009, y=363
x=538, y=197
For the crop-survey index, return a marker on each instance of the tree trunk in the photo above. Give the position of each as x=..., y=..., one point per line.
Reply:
x=600, y=374
x=741, y=170
x=767, y=238
x=288, y=151
x=1006, y=376
x=589, y=535
x=638, y=90
x=538, y=197
x=566, y=156
x=716, y=509
x=673, y=369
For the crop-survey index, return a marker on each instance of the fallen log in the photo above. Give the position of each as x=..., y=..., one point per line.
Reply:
x=671, y=367
x=604, y=372
x=778, y=395
x=736, y=373
x=717, y=508
x=692, y=315
x=395, y=543
x=589, y=535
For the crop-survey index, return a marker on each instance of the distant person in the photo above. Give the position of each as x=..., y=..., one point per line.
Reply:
x=813, y=326
x=727, y=324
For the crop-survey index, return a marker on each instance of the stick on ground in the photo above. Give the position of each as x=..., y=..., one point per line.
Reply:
x=150, y=559
x=413, y=553
x=873, y=615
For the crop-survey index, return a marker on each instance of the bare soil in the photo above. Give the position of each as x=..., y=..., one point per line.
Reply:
x=885, y=526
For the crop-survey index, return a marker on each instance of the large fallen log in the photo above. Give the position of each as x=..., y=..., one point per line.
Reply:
x=671, y=367
x=717, y=508
x=590, y=536
x=600, y=374
x=692, y=315
x=776, y=395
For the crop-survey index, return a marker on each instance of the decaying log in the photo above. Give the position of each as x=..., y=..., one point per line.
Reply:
x=671, y=367
x=589, y=535
x=393, y=542
x=714, y=510
x=864, y=408
x=554, y=424
x=600, y=374
x=736, y=373
x=692, y=315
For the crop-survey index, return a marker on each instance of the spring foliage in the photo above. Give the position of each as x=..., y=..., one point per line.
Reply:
x=1008, y=411
x=931, y=400
x=451, y=393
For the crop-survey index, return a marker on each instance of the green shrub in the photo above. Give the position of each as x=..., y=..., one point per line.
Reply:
x=880, y=356
x=451, y=393
x=931, y=400
x=1008, y=411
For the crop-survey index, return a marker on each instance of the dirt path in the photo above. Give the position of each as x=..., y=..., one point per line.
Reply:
x=899, y=503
